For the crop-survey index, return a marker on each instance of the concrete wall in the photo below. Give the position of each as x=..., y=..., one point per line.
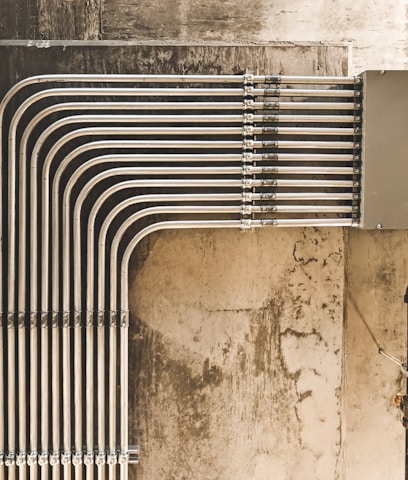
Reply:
x=250, y=355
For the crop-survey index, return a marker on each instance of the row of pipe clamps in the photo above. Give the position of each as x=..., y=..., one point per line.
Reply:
x=247, y=158
x=64, y=458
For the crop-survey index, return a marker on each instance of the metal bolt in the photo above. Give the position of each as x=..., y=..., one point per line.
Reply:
x=382, y=72
x=379, y=226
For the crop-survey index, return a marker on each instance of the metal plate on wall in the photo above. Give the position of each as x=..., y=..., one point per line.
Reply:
x=384, y=192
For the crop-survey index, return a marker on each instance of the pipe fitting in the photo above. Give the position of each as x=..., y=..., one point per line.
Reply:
x=21, y=316
x=247, y=130
x=247, y=157
x=33, y=320
x=43, y=458
x=54, y=319
x=249, y=90
x=89, y=458
x=54, y=458
x=246, y=183
x=248, y=104
x=248, y=78
x=32, y=458
x=1, y=458
x=21, y=459
x=44, y=319
x=124, y=319
x=246, y=169
x=123, y=458
x=246, y=224
x=10, y=460
x=89, y=318
x=246, y=197
x=77, y=458
x=246, y=209
x=65, y=319
x=65, y=457
x=100, y=458
x=248, y=118
x=113, y=318
x=112, y=458
x=77, y=319
x=10, y=320
x=247, y=144
x=100, y=318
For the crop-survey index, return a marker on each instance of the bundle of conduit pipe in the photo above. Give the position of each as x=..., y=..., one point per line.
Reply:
x=91, y=165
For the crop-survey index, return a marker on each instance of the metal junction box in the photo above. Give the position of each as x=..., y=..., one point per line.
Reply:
x=384, y=177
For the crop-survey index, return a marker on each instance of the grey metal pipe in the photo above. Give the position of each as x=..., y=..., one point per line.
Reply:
x=19, y=276
x=289, y=105
x=11, y=386
x=66, y=392
x=298, y=92
x=22, y=389
x=34, y=409
x=78, y=386
x=44, y=405
x=55, y=386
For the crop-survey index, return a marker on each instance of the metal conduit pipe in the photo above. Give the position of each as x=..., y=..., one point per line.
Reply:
x=264, y=222
x=22, y=216
x=23, y=189
x=150, y=78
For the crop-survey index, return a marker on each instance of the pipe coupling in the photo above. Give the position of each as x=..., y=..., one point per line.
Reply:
x=21, y=316
x=77, y=458
x=247, y=144
x=32, y=458
x=89, y=458
x=123, y=458
x=54, y=458
x=10, y=320
x=246, y=224
x=65, y=458
x=1, y=458
x=248, y=78
x=100, y=458
x=10, y=460
x=21, y=459
x=248, y=104
x=100, y=318
x=247, y=130
x=112, y=458
x=248, y=118
x=249, y=90
x=43, y=458
x=77, y=319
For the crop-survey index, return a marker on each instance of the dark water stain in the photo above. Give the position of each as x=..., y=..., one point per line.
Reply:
x=182, y=20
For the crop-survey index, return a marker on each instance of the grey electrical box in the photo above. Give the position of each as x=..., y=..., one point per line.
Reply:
x=384, y=156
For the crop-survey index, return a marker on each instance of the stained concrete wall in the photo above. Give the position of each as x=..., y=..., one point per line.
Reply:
x=250, y=354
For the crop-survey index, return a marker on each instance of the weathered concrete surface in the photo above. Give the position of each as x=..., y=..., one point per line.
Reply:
x=377, y=29
x=236, y=344
x=19, y=61
x=377, y=273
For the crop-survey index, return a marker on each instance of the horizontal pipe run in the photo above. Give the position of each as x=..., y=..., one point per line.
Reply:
x=292, y=92
x=289, y=105
x=207, y=130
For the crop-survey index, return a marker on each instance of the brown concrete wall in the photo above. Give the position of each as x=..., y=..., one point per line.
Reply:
x=237, y=354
